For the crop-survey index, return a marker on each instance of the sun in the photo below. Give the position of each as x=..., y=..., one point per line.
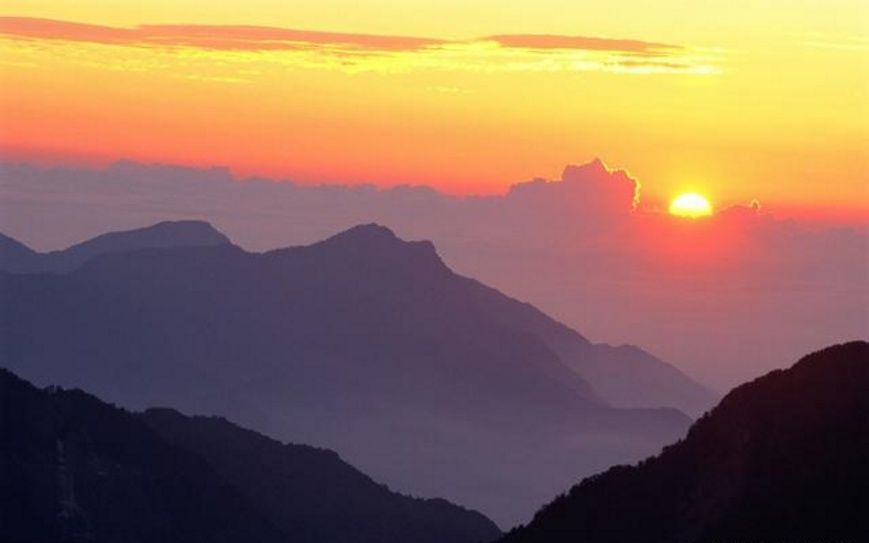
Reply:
x=691, y=205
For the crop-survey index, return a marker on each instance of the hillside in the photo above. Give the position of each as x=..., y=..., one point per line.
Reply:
x=311, y=494
x=73, y=468
x=782, y=458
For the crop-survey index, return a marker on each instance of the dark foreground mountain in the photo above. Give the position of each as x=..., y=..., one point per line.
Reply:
x=313, y=495
x=784, y=458
x=73, y=468
x=363, y=343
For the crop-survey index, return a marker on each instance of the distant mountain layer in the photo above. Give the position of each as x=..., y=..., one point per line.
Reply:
x=73, y=468
x=16, y=257
x=782, y=458
x=624, y=376
x=364, y=343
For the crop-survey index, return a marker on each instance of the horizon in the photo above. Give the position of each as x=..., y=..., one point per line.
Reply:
x=811, y=216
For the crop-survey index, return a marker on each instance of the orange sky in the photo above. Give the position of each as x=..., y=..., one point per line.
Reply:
x=737, y=100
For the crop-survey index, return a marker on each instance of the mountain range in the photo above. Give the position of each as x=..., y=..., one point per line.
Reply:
x=17, y=257
x=75, y=469
x=363, y=343
x=782, y=458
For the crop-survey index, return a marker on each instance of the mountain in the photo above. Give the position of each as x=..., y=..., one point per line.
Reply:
x=73, y=468
x=313, y=495
x=363, y=343
x=624, y=376
x=16, y=257
x=782, y=458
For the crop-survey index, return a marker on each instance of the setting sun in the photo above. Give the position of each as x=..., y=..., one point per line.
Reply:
x=691, y=205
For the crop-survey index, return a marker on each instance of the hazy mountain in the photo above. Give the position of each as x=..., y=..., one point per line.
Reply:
x=313, y=495
x=624, y=376
x=73, y=468
x=363, y=343
x=16, y=257
x=782, y=458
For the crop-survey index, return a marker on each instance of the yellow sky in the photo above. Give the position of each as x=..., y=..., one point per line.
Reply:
x=737, y=100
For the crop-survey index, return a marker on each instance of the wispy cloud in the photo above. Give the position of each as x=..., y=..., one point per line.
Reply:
x=549, y=42
x=380, y=52
x=228, y=38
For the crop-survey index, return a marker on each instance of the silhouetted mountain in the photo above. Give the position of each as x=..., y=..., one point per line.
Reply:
x=16, y=257
x=311, y=494
x=623, y=376
x=73, y=468
x=782, y=458
x=363, y=343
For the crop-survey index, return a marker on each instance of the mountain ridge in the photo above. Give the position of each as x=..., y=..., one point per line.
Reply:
x=781, y=458
x=74, y=468
x=368, y=240
x=311, y=492
x=180, y=233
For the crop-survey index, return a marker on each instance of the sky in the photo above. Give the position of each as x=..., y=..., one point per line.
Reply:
x=739, y=100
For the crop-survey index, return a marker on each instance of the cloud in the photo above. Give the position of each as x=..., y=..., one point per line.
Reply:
x=368, y=51
x=247, y=38
x=549, y=41
x=593, y=185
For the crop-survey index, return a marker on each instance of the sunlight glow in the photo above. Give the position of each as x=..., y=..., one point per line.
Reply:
x=691, y=205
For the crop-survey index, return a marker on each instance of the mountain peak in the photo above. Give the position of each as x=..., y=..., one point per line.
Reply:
x=375, y=242
x=366, y=233
x=183, y=233
x=16, y=257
